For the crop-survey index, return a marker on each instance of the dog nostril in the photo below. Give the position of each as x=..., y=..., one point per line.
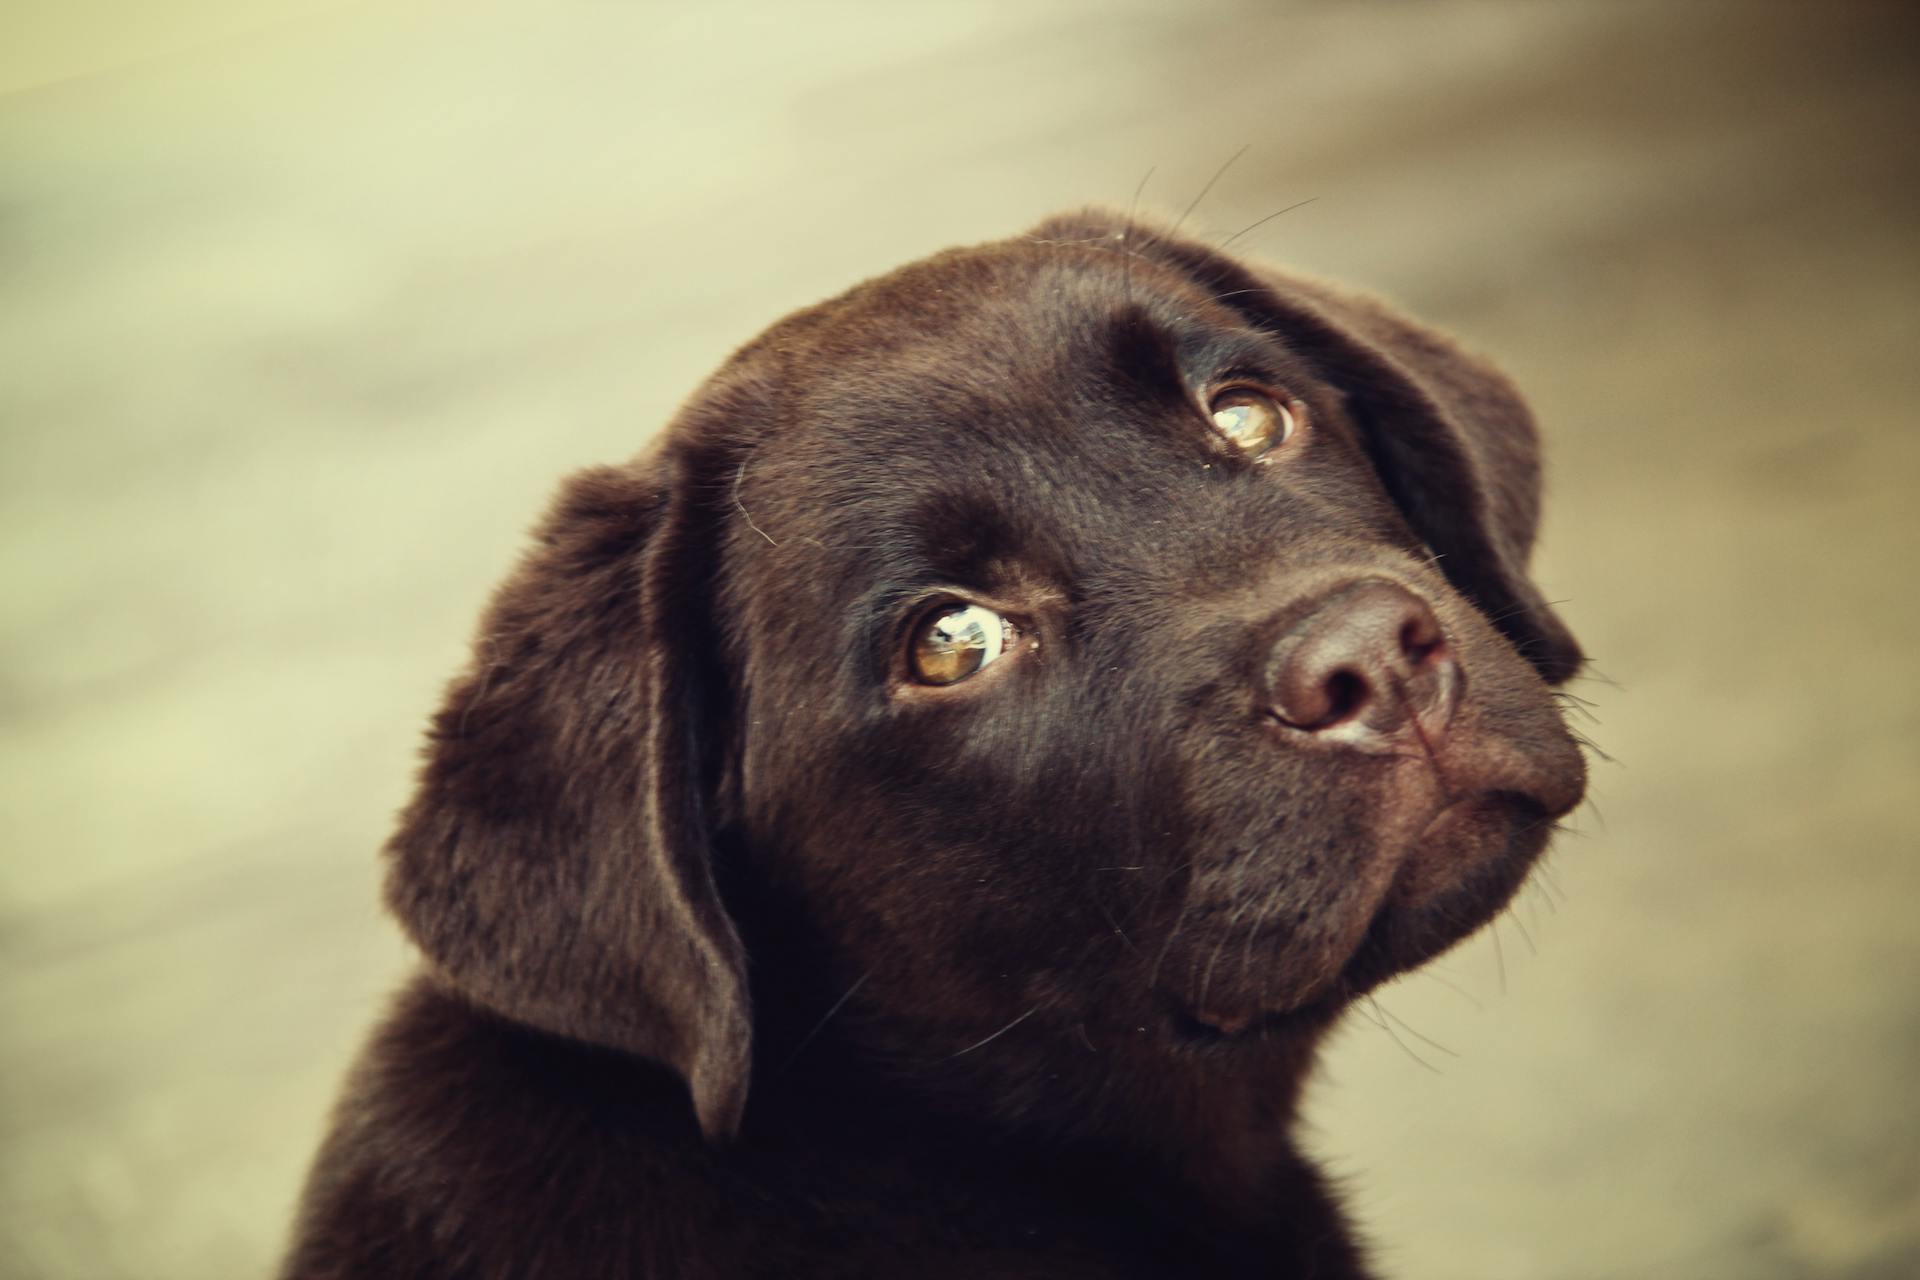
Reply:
x=1314, y=689
x=1371, y=656
x=1420, y=639
x=1345, y=692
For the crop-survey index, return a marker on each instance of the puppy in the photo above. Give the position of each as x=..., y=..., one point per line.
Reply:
x=919, y=817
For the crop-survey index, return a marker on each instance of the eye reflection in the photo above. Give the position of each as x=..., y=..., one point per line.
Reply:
x=1251, y=419
x=957, y=642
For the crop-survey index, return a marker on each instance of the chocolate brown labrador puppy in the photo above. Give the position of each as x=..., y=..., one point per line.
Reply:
x=918, y=818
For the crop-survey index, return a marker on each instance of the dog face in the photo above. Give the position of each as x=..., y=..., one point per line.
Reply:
x=1083, y=640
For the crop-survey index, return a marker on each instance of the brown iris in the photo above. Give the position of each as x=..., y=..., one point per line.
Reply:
x=955, y=642
x=1251, y=419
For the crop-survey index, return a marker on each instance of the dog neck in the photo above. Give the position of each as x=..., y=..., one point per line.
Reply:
x=1205, y=1125
x=1207, y=1131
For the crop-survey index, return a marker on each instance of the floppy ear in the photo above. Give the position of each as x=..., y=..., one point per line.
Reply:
x=1451, y=439
x=553, y=864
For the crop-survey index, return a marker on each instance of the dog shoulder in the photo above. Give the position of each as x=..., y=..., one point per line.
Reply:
x=469, y=1146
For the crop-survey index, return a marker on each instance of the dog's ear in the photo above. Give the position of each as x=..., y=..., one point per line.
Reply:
x=554, y=863
x=1451, y=439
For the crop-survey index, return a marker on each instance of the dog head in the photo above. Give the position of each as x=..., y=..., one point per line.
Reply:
x=1081, y=640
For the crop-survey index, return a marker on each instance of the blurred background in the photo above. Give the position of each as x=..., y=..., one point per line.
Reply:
x=304, y=306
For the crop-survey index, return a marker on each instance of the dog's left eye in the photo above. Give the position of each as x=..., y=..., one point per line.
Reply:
x=1250, y=419
x=957, y=641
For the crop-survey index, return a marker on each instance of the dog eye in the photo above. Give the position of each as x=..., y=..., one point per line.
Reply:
x=956, y=642
x=1252, y=420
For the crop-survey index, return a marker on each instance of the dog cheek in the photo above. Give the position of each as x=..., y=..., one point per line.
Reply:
x=1288, y=865
x=933, y=880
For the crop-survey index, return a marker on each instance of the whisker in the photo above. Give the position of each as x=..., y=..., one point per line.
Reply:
x=995, y=1036
x=1499, y=954
x=1217, y=174
x=1298, y=204
x=819, y=1026
x=1407, y=1027
x=1520, y=924
x=1382, y=1023
x=1589, y=745
x=1454, y=987
x=1574, y=705
x=1592, y=805
x=1133, y=205
x=1126, y=233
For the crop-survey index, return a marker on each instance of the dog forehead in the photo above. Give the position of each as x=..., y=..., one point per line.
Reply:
x=997, y=357
x=1023, y=288
x=1021, y=402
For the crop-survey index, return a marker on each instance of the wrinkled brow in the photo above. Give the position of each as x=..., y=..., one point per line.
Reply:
x=1144, y=356
x=1154, y=357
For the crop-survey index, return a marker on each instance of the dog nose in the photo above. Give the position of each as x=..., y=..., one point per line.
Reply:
x=1368, y=666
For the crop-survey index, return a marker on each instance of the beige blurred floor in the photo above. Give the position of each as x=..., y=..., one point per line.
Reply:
x=297, y=327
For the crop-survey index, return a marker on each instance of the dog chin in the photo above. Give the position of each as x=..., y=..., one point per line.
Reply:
x=1460, y=873
x=1455, y=876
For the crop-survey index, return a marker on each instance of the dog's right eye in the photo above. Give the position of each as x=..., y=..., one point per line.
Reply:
x=1254, y=421
x=956, y=641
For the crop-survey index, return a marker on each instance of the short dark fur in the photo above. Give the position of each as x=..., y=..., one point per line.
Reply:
x=745, y=957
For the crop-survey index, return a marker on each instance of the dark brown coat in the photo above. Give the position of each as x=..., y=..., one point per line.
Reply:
x=750, y=953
